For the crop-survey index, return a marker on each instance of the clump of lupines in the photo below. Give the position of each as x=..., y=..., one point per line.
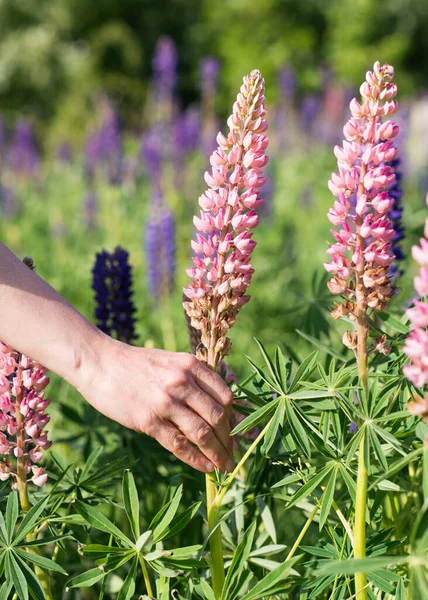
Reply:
x=222, y=270
x=160, y=247
x=112, y=283
x=363, y=252
x=416, y=346
x=22, y=417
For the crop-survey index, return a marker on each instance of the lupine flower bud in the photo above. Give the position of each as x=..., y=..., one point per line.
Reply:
x=364, y=251
x=222, y=270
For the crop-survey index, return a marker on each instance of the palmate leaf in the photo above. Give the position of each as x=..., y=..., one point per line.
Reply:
x=180, y=522
x=271, y=383
x=281, y=369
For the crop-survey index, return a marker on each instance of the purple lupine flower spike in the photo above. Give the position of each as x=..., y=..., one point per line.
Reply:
x=209, y=73
x=112, y=283
x=160, y=248
x=287, y=82
x=23, y=156
x=165, y=63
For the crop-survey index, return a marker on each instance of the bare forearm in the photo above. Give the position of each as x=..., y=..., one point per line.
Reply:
x=37, y=321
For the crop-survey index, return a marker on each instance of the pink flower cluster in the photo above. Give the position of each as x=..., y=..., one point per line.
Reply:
x=22, y=416
x=362, y=251
x=416, y=346
x=222, y=270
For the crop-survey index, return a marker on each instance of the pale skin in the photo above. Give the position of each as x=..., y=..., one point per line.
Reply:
x=170, y=396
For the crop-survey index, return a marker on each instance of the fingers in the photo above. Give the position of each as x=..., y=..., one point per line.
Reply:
x=198, y=431
x=211, y=383
x=173, y=440
x=217, y=416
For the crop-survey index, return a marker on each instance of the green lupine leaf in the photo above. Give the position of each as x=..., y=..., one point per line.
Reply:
x=272, y=431
x=378, y=449
x=5, y=589
x=92, y=459
x=17, y=576
x=297, y=429
x=309, y=487
x=239, y=559
x=272, y=384
x=393, y=322
x=263, y=587
x=145, y=541
x=390, y=439
x=206, y=591
x=382, y=580
x=12, y=510
x=400, y=593
x=309, y=395
x=349, y=482
x=3, y=530
x=128, y=588
x=41, y=561
x=96, y=518
x=304, y=371
x=268, y=550
x=130, y=500
x=256, y=417
x=185, y=551
x=86, y=579
x=280, y=368
x=34, y=586
x=162, y=527
x=271, y=368
x=327, y=498
x=30, y=519
x=267, y=519
x=371, y=564
x=180, y=522
x=396, y=467
x=99, y=550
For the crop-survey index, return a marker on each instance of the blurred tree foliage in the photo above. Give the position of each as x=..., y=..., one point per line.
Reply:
x=57, y=55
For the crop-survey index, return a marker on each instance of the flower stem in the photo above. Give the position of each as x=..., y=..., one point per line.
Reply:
x=216, y=561
x=360, y=522
x=146, y=576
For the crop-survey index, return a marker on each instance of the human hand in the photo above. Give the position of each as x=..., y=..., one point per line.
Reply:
x=170, y=396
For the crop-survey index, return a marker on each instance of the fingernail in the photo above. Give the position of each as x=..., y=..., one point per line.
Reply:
x=209, y=467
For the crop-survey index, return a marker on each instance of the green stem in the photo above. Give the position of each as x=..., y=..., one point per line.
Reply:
x=303, y=532
x=146, y=576
x=240, y=465
x=360, y=522
x=216, y=561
